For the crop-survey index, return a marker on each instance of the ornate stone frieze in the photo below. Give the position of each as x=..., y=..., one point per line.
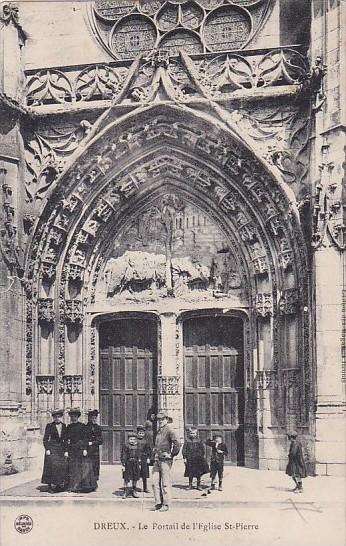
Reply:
x=45, y=311
x=168, y=384
x=72, y=384
x=266, y=379
x=94, y=82
x=180, y=79
x=45, y=384
x=264, y=304
x=288, y=302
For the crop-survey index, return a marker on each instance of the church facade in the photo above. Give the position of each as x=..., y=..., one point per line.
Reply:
x=173, y=223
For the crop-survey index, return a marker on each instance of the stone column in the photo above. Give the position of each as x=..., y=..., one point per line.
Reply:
x=170, y=387
x=329, y=232
x=14, y=448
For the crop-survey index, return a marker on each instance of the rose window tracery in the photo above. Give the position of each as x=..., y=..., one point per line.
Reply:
x=128, y=28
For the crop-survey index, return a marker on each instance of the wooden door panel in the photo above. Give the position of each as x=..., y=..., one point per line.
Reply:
x=127, y=381
x=212, y=389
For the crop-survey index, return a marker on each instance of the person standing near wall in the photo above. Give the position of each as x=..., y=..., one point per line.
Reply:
x=166, y=447
x=55, y=463
x=296, y=467
x=94, y=434
x=81, y=476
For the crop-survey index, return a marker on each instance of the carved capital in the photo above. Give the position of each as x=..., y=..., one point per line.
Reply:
x=45, y=311
x=45, y=384
x=74, y=272
x=73, y=311
x=260, y=265
x=264, y=304
x=72, y=384
x=288, y=302
x=47, y=270
x=290, y=377
x=266, y=379
x=168, y=384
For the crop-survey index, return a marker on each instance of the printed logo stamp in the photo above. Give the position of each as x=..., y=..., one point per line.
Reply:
x=23, y=524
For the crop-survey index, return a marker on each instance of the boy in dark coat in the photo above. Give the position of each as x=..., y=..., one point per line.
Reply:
x=218, y=452
x=81, y=475
x=55, y=462
x=145, y=455
x=296, y=465
x=194, y=458
x=130, y=460
x=94, y=441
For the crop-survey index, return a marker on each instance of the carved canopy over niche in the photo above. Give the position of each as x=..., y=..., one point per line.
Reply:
x=128, y=28
x=172, y=249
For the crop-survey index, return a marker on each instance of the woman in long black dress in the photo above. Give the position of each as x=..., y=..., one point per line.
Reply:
x=55, y=463
x=80, y=474
x=94, y=441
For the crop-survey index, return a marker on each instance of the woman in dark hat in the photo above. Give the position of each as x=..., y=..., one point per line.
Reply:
x=55, y=462
x=81, y=475
x=94, y=441
x=296, y=465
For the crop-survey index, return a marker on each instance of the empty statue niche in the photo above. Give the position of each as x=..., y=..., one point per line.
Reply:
x=74, y=288
x=73, y=348
x=46, y=359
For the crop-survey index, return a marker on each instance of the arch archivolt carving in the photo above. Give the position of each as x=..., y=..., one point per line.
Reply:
x=128, y=167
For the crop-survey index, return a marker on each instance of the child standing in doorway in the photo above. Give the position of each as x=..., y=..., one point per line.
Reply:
x=130, y=460
x=218, y=452
x=194, y=458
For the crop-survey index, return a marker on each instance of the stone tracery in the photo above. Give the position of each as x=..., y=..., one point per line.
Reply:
x=129, y=28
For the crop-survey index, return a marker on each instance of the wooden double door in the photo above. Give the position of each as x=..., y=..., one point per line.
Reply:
x=214, y=381
x=128, y=378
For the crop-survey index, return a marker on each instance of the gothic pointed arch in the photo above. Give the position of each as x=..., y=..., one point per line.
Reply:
x=147, y=160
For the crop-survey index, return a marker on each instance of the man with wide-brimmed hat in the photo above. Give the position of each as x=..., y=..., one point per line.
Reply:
x=166, y=447
x=80, y=472
x=55, y=463
x=94, y=441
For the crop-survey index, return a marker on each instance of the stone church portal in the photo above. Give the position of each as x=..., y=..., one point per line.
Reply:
x=172, y=224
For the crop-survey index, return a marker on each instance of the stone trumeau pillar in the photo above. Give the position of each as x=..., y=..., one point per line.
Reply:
x=13, y=446
x=329, y=231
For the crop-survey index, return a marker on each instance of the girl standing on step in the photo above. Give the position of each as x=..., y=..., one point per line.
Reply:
x=194, y=458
